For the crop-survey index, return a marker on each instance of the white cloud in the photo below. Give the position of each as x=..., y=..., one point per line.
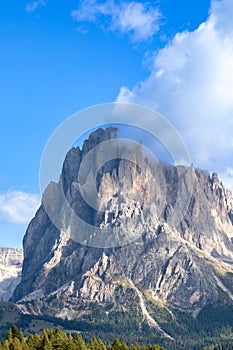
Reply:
x=18, y=207
x=191, y=83
x=135, y=18
x=32, y=6
x=227, y=178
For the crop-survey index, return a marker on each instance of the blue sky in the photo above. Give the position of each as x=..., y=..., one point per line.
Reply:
x=58, y=57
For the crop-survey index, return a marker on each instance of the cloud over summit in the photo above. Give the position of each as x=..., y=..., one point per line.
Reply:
x=191, y=84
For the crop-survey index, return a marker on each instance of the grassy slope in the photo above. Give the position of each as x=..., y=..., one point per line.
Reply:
x=213, y=325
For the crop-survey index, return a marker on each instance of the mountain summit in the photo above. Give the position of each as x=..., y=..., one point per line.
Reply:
x=183, y=264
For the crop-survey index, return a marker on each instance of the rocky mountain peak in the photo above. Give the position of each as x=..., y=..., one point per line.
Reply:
x=98, y=136
x=180, y=252
x=214, y=178
x=75, y=156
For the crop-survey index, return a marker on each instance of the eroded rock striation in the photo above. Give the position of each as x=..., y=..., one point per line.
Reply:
x=11, y=261
x=180, y=251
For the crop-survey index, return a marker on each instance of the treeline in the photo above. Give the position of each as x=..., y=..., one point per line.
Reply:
x=51, y=339
x=56, y=339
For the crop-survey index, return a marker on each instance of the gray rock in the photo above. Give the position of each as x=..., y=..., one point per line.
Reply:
x=11, y=261
x=182, y=255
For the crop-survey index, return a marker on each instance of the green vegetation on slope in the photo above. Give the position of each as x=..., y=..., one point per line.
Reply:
x=214, y=325
x=51, y=339
x=56, y=339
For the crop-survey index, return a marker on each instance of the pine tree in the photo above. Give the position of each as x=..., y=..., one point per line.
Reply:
x=93, y=344
x=116, y=344
x=33, y=342
x=135, y=346
x=101, y=344
x=15, y=333
x=46, y=343
x=124, y=346
x=9, y=336
x=16, y=344
x=5, y=345
x=79, y=342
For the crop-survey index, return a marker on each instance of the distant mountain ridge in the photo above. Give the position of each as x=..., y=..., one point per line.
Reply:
x=187, y=266
x=11, y=261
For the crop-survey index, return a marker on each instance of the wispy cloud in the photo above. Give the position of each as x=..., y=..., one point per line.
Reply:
x=227, y=178
x=18, y=207
x=138, y=19
x=191, y=83
x=32, y=6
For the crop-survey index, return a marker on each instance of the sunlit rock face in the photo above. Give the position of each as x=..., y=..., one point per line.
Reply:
x=11, y=261
x=178, y=221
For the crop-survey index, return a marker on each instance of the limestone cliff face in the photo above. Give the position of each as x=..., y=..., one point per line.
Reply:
x=11, y=261
x=183, y=254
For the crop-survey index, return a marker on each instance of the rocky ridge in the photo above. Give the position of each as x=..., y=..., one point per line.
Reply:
x=11, y=261
x=185, y=263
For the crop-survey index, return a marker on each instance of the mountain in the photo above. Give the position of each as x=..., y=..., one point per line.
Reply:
x=178, y=261
x=11, y=261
